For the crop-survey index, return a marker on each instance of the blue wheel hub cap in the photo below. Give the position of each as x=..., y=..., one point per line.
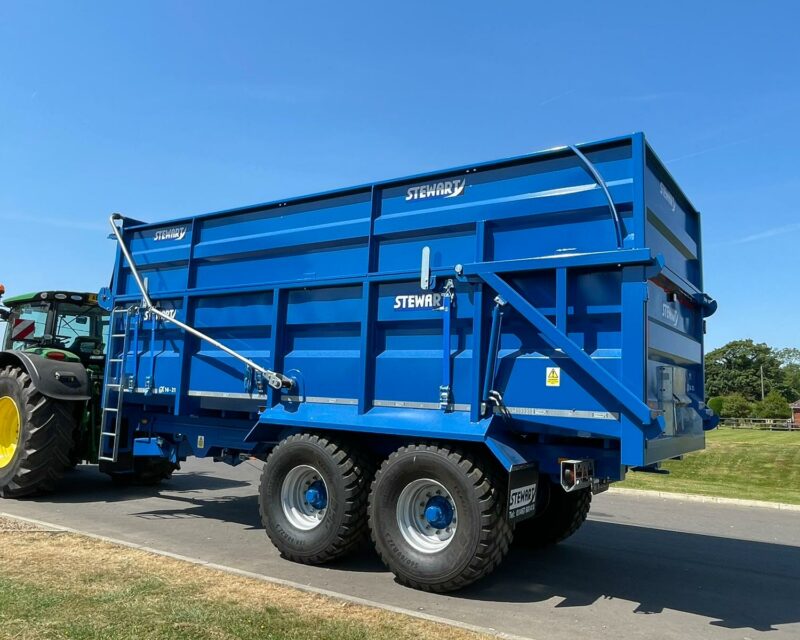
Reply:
x=316, y=495
x=439, y=512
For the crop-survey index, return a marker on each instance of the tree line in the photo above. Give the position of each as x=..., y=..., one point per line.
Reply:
x=746, y=379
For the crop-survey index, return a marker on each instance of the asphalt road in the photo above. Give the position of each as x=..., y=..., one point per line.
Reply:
x=640, y=568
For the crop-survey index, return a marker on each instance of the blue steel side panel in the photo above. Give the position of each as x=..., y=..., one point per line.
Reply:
x=326, y=289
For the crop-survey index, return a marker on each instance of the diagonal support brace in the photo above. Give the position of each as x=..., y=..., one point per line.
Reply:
x=559, y=340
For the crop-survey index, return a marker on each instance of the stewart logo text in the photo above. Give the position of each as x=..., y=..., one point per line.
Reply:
x=667, y=196
x=175, y=233
x=446, y=189
x=170, y=313
x=670, y=314
x=421, y=301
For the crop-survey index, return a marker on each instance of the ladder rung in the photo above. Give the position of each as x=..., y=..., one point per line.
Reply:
x=113, y=384
x=115, y=360
x=106, y=458
x=110, y=409
x=108, y=433
x=118, y=335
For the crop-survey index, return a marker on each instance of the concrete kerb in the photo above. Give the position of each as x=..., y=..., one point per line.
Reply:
x=692, y=497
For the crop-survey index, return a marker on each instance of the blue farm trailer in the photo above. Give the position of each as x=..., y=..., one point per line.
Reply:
x=445, y=361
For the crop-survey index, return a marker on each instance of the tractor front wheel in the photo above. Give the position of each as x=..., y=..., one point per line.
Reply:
x=35, y=436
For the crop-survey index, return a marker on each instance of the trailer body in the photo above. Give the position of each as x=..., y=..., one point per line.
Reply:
x=546, y=308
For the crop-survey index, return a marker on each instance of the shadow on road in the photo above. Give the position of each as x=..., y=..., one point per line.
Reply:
x=737, y=583
x=86, y=484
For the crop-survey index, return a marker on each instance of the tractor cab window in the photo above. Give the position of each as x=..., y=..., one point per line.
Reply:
x=80, y=329
x=27, y=324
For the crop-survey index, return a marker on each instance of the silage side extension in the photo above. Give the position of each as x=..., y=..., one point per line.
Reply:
x=447, y=359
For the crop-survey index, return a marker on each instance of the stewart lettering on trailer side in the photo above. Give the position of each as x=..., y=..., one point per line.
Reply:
x=667, y=196
x=670, y=313
x=175, y=233
x=446, y=189
x=418, y=301
x=149, y=315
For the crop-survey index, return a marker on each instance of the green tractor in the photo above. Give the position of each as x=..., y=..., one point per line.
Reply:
x=51, y=378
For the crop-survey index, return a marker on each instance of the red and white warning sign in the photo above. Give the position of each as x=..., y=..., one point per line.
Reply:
x=22, y=329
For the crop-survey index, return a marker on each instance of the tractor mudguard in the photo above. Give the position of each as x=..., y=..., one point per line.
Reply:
x=53, y=378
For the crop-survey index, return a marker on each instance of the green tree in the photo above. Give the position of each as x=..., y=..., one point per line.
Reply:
x=773, y=405
x=791, y=372
x=736, y=406
x=736, y=369
x=791, y=378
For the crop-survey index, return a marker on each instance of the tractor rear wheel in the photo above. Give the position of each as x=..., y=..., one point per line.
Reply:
x=35, y=436
x=560, y=515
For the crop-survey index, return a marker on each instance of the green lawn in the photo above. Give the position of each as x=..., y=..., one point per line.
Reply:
x=56, y=586
x=737, y=463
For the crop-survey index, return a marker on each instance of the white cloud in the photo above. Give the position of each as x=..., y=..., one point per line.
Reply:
x=767, y=233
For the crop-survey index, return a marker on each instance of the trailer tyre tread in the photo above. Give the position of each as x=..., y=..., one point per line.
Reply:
x=563, y=515
x=46, y=438
x=353, y=470
x=485, y=487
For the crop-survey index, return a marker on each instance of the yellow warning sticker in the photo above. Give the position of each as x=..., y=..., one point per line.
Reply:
x=553, y=376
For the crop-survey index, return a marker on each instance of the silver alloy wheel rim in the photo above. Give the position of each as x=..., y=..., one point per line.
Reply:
x=414, y=526
x=296, y=508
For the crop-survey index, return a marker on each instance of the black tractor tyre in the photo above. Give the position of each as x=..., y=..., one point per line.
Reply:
x=341, y=524
x=74, y=456
x=46, y=427
x=481, y=537
x=559, y=516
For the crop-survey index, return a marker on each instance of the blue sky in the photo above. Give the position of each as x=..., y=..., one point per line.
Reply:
x=159, y=109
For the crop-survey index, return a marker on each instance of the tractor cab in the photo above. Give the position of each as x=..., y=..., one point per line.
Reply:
x=58, y=325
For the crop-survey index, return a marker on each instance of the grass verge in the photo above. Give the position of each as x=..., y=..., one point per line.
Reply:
x=737, y=463
x=59, y=585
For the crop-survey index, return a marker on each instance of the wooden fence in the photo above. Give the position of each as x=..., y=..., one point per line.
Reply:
x=764, y=424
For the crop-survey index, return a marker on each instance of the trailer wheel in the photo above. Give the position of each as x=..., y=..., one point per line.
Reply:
x=438, y=517
x=560, y=515
x=313, y=498
x=35, y=436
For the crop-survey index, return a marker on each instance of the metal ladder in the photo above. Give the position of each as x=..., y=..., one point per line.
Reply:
x=114, y=383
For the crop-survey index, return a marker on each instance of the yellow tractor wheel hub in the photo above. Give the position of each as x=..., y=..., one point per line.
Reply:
x=9, y=430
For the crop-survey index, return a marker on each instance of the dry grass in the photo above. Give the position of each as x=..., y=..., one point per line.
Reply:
x=11, y=524
x=58, y=585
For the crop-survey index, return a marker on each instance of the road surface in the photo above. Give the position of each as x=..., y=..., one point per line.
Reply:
x=640, y=567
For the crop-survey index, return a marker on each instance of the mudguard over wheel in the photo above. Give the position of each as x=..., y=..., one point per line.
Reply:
x=560, y=515
x=313, y=498
x=438, y=517
x=36, y=436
